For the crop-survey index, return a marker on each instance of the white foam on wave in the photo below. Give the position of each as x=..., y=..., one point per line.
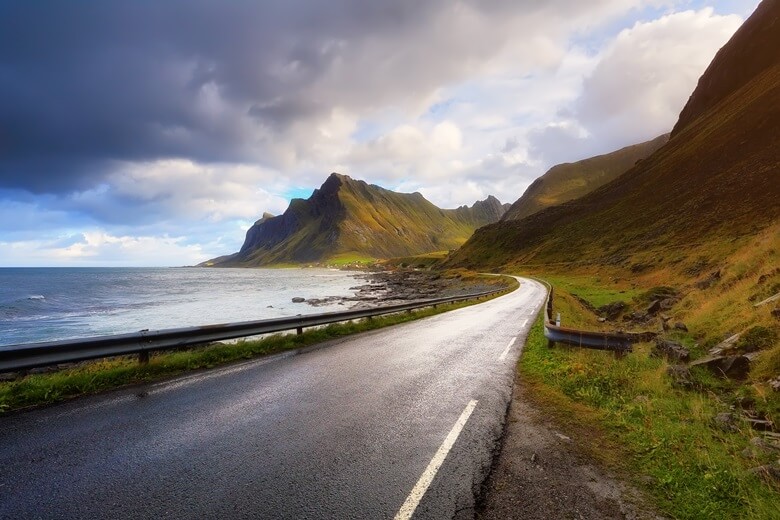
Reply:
x=36, y=297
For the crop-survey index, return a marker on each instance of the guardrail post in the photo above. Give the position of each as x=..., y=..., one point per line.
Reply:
x=143, y=357
x=299, y=330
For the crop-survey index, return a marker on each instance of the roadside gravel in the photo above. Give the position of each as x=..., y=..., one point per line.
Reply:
x=541, y=473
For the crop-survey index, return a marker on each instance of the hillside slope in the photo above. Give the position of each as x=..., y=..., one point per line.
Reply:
x=715, y=181
x=753, y=49
x=348, y=218
x=569, y=181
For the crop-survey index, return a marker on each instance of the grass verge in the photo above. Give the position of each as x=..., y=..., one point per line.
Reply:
x=637, y=422
x=93, y=377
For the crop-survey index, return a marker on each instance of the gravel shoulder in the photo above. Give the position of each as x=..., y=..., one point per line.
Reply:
x=543, y=472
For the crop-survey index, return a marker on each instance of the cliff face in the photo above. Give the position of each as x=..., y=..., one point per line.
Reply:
x=569, y=181
x=320, y=213
x=348, y=218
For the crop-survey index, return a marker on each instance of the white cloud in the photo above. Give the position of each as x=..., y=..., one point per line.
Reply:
x=645, y=77
x=98, y=248
x=640, y=84
x=179, y=190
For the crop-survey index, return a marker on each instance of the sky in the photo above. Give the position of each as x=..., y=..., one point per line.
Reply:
x=155, y=133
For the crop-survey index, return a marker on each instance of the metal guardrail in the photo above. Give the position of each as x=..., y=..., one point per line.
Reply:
x=618, y=342
x=31, y=355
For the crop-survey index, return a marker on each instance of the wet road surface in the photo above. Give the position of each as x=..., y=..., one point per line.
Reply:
x=395, y=423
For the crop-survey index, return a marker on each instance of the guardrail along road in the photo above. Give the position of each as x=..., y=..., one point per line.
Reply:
x=393, y=423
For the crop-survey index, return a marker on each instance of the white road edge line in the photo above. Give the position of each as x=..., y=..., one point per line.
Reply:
x=506, y=350
x=413, y=500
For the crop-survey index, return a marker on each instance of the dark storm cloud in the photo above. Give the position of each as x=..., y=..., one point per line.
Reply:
x=86, y=84
x=82, y=83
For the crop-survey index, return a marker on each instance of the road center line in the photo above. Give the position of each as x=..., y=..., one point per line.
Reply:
x=506, y=350
x=413, y=500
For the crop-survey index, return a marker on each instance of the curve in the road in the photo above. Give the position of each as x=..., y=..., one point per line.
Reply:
x=348, y=431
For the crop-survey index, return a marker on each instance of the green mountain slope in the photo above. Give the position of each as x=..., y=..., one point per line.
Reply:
x=348, y=218
x=716, y=181
x=569, y=181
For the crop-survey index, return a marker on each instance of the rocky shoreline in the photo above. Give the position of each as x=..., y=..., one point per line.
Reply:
x=404, y=285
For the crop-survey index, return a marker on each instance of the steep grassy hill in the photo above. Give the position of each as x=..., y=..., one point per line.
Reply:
x=713, y=184
x=753, y=49
x=569, y=181
x=348, y=219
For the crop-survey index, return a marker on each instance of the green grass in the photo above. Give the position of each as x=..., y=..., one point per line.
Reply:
x=343, y=259
x=93, y=377
x=666, y=435
x=593, y=289
x=423, y=261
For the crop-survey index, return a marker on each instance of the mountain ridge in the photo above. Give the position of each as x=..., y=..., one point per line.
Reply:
x=349, y=218
x=568, y=181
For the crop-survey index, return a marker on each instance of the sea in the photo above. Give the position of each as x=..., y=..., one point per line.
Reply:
x=45, y=304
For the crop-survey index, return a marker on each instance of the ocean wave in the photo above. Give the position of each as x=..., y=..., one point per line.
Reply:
x=26, y=306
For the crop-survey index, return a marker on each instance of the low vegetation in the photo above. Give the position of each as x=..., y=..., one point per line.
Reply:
x=692, y=445
x=424, y=261
x=665, y=437
x=97, y=376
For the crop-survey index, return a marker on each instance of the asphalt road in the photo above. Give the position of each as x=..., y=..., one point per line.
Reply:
x=400, y=422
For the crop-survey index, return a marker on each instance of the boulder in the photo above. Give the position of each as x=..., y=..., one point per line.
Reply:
x=670, y=350
x=774, y=384
x=680, y=326
x=732, y=367
x=636, y=317
x=724, y=345
x=680, y=375
x=298, y=299
x=759, y=447
x=769, y=472
x=612, y=310
x=760, y=424
x=725, y=422
x=654, y=307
